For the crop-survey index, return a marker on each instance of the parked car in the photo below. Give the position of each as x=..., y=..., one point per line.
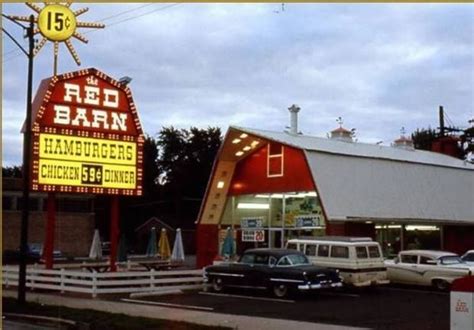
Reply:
x=468, y=257
x=425, y=267
x=358, y=259
x=33, y=254
x=278, y=270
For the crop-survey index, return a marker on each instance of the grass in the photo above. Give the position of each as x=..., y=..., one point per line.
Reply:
x=92, y=319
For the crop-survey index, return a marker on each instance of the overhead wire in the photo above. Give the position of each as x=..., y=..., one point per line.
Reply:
x=17, y=51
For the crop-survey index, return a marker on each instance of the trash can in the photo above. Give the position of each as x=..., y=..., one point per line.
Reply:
x=462, y=303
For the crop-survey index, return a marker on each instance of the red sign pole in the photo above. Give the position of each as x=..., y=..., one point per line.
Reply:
x=48, y=247
x=114, y=231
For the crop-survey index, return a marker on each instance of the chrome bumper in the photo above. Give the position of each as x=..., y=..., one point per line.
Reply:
x=372, y=282
x=320, y=286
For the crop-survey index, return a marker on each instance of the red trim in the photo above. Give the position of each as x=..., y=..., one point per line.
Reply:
x=250, y=175
x=114, y=231
x=463, y=284
x=207, y=244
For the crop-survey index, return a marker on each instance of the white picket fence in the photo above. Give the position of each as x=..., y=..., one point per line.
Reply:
x=104, y=283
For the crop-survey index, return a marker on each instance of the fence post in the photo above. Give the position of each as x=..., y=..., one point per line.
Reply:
x=62, y=278
x=94, y=284
x=5, y=276
x=152, y=277
x=33, y=272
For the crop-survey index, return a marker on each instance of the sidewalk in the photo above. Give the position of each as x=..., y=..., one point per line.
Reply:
x=174, y=314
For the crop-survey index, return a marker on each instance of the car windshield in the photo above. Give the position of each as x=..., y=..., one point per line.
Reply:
x=450, y=260
x=293, y=260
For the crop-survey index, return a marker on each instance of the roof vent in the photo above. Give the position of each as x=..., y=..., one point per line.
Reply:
x=341, y=133
x=294, y=109
x=403, y=142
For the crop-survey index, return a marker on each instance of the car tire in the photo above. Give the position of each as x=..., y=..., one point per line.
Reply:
x=280, y=290
x=217, y=284
x=441, y=285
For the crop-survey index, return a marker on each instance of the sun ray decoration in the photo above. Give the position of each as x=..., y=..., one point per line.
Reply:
x=57, y=23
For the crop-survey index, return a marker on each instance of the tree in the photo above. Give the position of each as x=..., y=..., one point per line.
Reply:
x=185, y=161
x=12, y=172
x=423, y=138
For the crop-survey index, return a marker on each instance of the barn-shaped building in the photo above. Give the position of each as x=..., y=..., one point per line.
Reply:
x=272, y=186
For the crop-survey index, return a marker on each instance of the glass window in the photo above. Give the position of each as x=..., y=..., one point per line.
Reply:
x=468, y=257
x=284, y=262
x=248, y=258
x=427, y=261
x=301, y=247
x=374, y=251
x=310, y=249
x=272, y=261
x=361, y=252
x=409, y=259
x=298, y=259
x=323, y=251
x=261, y=259
x=339, y=251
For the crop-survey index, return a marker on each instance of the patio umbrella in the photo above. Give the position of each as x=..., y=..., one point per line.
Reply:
x=164, y=245
x=178, y=250
x=151, y=247
x=228, y=245
x=122, y=250
x=96, y=247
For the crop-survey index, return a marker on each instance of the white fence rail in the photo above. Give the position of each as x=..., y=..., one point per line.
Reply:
x=99, y=283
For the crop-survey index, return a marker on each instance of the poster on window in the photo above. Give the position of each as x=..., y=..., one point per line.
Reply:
x=253, y=236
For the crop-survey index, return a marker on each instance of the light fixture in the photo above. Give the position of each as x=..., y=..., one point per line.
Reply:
x=247, y=148
x=239, y=153
x=421, y=228
x=220, y=184
x=388, y=226
x=235, y=141
x=254, y=143
x=253, y=206
x=243, y=135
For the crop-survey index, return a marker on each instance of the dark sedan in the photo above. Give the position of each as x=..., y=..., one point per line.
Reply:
x=275, y=269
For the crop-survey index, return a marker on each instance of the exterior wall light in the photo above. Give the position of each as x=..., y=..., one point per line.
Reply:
x=239, y=153
x=253, y=206
x=235, y=141
x=220, y=184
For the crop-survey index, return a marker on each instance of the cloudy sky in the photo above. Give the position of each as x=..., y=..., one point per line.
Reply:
x=380, y=67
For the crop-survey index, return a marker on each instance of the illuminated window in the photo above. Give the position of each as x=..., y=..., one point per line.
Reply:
x=275, y=160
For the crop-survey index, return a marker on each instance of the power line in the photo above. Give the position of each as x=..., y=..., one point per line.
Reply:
x=114, y=23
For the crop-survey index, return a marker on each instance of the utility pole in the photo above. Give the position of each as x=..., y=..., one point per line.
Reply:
x=441, y=121
x=26, y=168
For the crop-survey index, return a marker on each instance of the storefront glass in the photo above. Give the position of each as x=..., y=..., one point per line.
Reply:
x=393, y=238
x=301, y=212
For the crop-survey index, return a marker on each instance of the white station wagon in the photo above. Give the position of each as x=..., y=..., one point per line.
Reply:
x=358, y=259
x=426, y=267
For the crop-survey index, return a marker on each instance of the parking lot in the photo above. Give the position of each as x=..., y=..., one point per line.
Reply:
x=393, y=307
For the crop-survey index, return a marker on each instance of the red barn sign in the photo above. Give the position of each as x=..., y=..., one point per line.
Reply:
x=87, y=136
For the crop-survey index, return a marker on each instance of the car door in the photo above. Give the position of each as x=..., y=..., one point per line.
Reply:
x=241, y=271
x=405, y=270
x=259, y=271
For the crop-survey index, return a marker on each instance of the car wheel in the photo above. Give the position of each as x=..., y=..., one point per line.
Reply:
x=217, y=284
x=441, y=285
x=280, y=290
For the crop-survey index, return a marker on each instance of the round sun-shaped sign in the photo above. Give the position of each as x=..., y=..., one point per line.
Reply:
x=56, y=22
